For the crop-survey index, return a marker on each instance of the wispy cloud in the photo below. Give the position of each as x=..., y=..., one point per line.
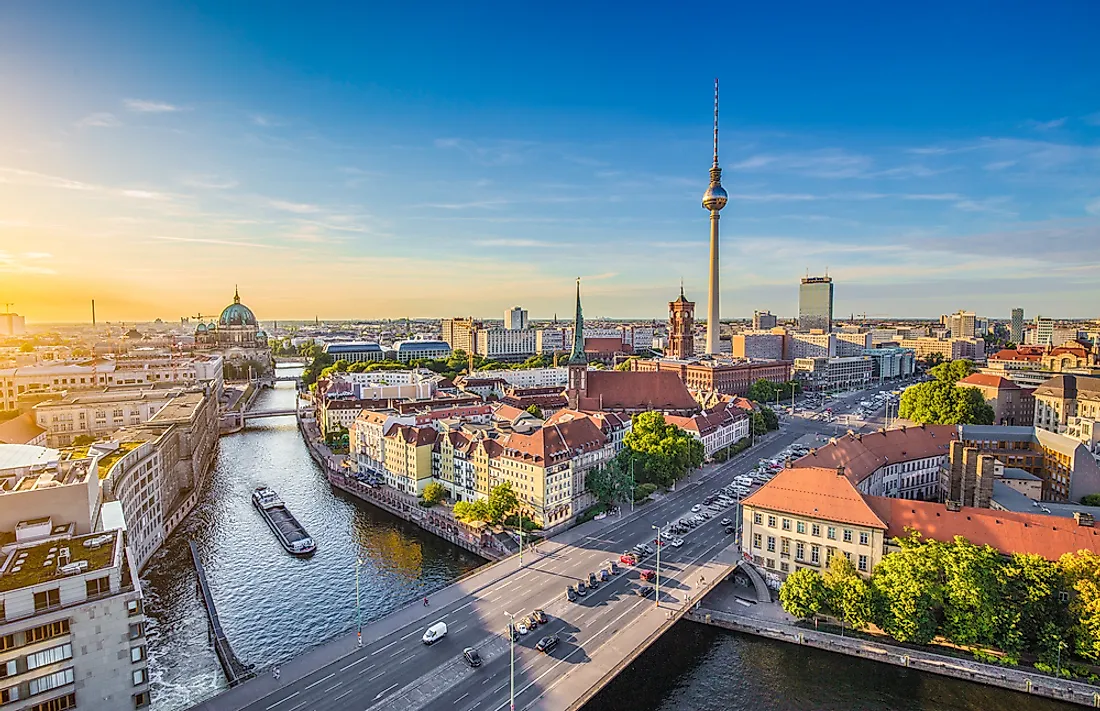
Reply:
x=147, y=106
x=993, y=205
x=494, y=153
x=999, y=165
x=100, y=119
x=825, y=163
x=145, y=195
x=471, y=205
x=28, y=177
x=222, y=242
x=267, y=120
x=209, y=182
x=17, y=264
x=300, y=208
x=1047, y=125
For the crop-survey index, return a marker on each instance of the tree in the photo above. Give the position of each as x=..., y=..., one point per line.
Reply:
x=771, y=420
x=502, y=501
x=1031, y=586
x=608, y=483
x=534, y=410
x=1081, y=571
x=941, y=402
x=625, y=365
x=472, y=511
x=849, y=595
x=759, y=424
x=83, y=440
x=762, y=391
x=932, y=359
x=972, y=609
x=803, y=594
x=433, y=493
x=26, y=347
x=661, y=453
x=1091, y=499
x=952, y=371
x=907, y=591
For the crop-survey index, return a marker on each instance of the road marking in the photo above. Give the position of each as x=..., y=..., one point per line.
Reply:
x=460, y=698
x=295, y=708
x=410, y=634
x=288, y=698
x=462, y=628
x=337, y=684
x=379, y=675
x=343, y=694
x=321, y=680
x=384, y=692
x=382, y=649
x=360, y=660
x=471, y=602
x=411, y=656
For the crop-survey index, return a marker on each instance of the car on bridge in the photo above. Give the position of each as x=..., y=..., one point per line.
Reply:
x=541, y=616
x=471, y=657
x=644, y=590
x=612, y=567
x=628, y=558
x=647, y=576
x=593, y=581
x=570, y=593
x=435, y=633
x=581, y=589
x=547, y=643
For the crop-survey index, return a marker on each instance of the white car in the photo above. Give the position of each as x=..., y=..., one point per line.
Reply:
x=521, y=627
x=676, y=542
x=696, y=508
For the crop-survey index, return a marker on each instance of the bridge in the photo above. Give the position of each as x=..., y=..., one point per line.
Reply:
x=235, y=670
x=600, y=634
x=259, y=414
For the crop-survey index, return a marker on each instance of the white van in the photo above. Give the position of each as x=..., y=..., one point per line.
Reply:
x=744, y=481
x=435, y=633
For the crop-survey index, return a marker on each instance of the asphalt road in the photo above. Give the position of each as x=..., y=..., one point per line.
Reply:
x=398, y=671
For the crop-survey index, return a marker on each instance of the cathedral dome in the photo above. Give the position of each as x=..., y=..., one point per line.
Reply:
x=237, y=314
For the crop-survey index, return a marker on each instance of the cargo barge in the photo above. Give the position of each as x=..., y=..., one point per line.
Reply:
x=292, y=536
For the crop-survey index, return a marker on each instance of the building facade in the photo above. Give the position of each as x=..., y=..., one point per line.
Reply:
x=461, y=333
x=507, y=345
x=1011, y=403
x=681, y=328
x=834, y=373
x=355, y=351
x=1016, y=330
x=815, y=304
x=763, y=320
x=515, y=319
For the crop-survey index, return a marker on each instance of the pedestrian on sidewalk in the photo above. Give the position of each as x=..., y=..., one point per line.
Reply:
x=275, y=673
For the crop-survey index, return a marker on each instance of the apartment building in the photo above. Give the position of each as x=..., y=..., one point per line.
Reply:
x=72, y=625
x=717, y=428
x=99, y=413
x=853, y=344
x=763, y=320
x=1011, y=403
x=408, y=456
x=834, y=373
x=730, y=377
x=550, y=340
x=355, y=351
x=890, y=363
x=759, y=345
x=948, y=348
x=811, y=345
x=505, y=344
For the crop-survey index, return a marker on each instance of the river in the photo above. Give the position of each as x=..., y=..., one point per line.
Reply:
x=273, y=605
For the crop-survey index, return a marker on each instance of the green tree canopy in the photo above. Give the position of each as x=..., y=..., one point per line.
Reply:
x=907, y=592
x=952, y=371
x=433, y=493
x=609, y=483
x=472, y=511
x=502, y=501
x=941, y=402
x=1091, y=499
x=849, y=595
x=1081, y=571
x=661, y=453
x=804, y=594
x=534, y=410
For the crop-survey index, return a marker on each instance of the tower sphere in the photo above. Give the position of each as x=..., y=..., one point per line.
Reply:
x=715, y=197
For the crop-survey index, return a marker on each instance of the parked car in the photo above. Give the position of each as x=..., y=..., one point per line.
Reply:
x=730, y=530
x=541, y=616
x=604, y=575
x=471, y=657
x=530, y=622
x=581, y=589
x=647, y=576
x=593, y=581
x=628, y=558
x=513, y=634
x=547, y=643
x=613, y=567
x=570, y=594
x=658, y=541
x=521, y=626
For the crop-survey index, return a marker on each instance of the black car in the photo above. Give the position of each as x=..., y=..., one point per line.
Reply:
x=644, y=591
x=581, y=589
x=570, y=593
x=730, y=530
x=547, y=643
x=540, y=616
x=593, y=581
x=471, y=657
x=513, y=633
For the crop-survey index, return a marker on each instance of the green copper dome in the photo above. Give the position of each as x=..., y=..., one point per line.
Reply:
x=237, y=314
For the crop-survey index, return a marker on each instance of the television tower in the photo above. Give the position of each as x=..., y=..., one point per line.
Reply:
x=714, y=199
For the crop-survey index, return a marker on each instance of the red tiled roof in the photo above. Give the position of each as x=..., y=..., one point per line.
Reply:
x=419, y=436
x=1008, y=532
x=983, y=380
x=615, y=390
x=861, y=455
x=507, y=412
x=554, y=443
x=1018, y=354
x=815, y=492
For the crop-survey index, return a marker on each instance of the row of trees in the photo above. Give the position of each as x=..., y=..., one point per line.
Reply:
x=967, y=595
x=766, y=391
x=942, y=402
x=656, y=452
x=458, y=363
x=501, y=503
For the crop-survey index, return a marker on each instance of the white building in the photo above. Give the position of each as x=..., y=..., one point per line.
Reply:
x=716, y=429
x=504, y=344
x=72, y=622
x=421, y=349
x=550, y=340
x=852, y=344
x=515, y=319
x=528, y=377
x=811, y=345
x=98, y=414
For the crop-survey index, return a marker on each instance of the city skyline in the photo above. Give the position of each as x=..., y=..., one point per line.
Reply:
x=383, y=169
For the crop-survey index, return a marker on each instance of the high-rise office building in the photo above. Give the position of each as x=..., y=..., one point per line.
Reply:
x=815, y=303
x=515, y=318
x=681, y=327
x=1017, y=332
x=461, y=333
x=1044, y=331
x=962, y=324
x=763, y=320
x=12, y=324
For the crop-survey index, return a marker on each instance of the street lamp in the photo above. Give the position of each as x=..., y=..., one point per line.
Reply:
x=657, y=589
x=521, y=536
x=512, y=660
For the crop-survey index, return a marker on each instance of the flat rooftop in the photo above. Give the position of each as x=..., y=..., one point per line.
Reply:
x=19, y=456
x=179, y=409
x=34, y=564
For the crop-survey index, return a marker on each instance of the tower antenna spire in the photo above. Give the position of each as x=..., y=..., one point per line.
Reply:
x=716, y=122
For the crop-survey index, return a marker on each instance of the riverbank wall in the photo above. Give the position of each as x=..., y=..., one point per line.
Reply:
x=1003, y=677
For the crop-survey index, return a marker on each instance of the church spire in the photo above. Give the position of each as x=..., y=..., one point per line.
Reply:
x=577, y=357
x=236, y=295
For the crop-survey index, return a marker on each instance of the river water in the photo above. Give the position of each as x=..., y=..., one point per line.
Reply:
x=273, y=605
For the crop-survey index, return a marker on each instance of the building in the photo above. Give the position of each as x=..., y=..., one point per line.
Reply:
x=834, y=373
x=759, y=345
x=22, y=429
x=39, y=483
x=406, y=351
x=947, y=348
x=237, y=336
x=1066, y=467
x=99, y=413
x=73, y=627
x=1012, y=404
x=550, y=340
x=716, y=429
x=1044, y=332
x=811, y=345
x=729, y=377
x=904, y=462
x=506, y=345
x=1070, y=405
x=515, y=319
x=12, y=324
x=408, y=457
x=805, y=516
x=853, y=344
x=461, y=333
x=763, y=320
x=1016, y=331
x=890, y=363
x=714, y=199
x=962, y=324
x=355, y=351
x=681, y=327
x=815, y=304
x=528, y=377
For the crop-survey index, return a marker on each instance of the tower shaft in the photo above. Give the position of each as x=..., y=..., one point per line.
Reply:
x=713, y=318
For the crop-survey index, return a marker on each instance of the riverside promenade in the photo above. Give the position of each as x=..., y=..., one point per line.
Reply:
x=732, y=607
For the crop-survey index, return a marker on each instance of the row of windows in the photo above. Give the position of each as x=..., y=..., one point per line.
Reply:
x=815, y=529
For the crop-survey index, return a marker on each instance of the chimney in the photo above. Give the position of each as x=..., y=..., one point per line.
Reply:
x=953, y=505
x=840, y=470
x=787, y=463
x=903, y=428
x=1083, y=519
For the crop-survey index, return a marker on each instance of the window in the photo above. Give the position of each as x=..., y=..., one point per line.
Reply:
x=864, y=538
x=7, y=642
x=140, y=676
x=46, y=599
x=815, y=554
x=771, y=544
x=830, y=533
x=41, y=634
x=49, y=656
x=98, y=586
x=800, y=527
x=784, y=566
x=863, y=563
x=786, y=548
x=786, y=524
x=799, y=550
x=771, y=521
x=8, y=668
x=61, y=703
x=137, y=653
x=133, y=607
x=51, y=681
x=847, y=535
x=815, y=530
x=141, y=700
x=757, y=519
x=9, y=695
x=769, y=563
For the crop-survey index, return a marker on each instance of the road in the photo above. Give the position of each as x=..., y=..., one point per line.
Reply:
x=395, y=670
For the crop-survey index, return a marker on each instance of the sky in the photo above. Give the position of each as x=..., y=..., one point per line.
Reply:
x=388, y=160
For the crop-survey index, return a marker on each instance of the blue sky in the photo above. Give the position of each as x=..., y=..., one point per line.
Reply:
x=434, y=160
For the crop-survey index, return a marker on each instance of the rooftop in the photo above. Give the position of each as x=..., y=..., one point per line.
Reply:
x=815, y=492
x=109, y=460
x=34, y=564
x=983, y=380
x=862, y=454
x=20, y=429
x=179, y=409
x=21, y=456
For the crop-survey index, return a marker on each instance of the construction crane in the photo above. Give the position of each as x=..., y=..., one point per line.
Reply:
x=7, y=307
